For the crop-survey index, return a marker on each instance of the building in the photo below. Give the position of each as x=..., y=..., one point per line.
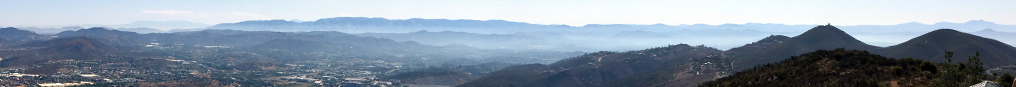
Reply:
x=986, y=84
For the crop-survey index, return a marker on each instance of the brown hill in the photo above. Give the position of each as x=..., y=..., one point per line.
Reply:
x=78, y=48
x=74, y=48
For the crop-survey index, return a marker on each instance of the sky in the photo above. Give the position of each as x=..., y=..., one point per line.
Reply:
x=22, y=13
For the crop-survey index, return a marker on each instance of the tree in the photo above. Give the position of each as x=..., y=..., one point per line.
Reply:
x=948, y=56
x=975, y=64
x=1005, y=80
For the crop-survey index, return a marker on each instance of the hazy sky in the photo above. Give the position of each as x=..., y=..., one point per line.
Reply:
x=570, y=12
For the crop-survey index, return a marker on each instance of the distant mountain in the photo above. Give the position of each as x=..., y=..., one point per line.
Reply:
x=115, y=37
x=488, y=41
x=591, y=37
x=51, y=30
x=641, y=34
x=1005, y=37
x=18, y=35
x=382, y=25
x=141, y=30
x=932, y=45
x=164, y=25
x=821, y=37
x=969, y=26
x=591, y=70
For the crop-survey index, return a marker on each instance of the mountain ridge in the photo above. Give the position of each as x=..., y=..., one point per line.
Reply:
x=769, y=50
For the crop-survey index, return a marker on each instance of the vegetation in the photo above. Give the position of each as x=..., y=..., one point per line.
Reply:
x=855, y=68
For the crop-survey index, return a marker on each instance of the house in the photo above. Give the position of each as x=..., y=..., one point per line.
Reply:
x=986, y=84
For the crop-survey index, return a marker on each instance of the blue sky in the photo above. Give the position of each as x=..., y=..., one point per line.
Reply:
x=570, y=12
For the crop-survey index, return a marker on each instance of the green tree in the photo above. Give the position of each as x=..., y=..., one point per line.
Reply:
x=975, y=64
x=1005, y=80
x=948, y=56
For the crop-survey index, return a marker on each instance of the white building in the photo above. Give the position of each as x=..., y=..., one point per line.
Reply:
x=986, y=84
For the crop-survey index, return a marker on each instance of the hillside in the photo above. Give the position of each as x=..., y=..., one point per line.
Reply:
x=591, y=70
x=433, y=76
x=930, y=47
x=772, y=49
x=820, y=37
x=17, y=35
x=75, y=48
x=53, y=56
x=111, y=37
x=294, y=45
x=852, y=68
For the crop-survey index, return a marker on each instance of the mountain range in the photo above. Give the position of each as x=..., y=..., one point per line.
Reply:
x=382, y=25
x=589, y=37
x=268, y=45
x=241, y=50
x=705, y=65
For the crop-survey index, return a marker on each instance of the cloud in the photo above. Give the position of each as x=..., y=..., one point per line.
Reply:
x=169, y=12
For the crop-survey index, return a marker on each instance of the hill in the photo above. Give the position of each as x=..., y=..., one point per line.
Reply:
x=852, y=68
x=591, y=70
x=112, y=37
x=820, y=37
x=931, y=45
x=679, y=74
x=18, y=35
x=78, y=48
x=772, y=49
